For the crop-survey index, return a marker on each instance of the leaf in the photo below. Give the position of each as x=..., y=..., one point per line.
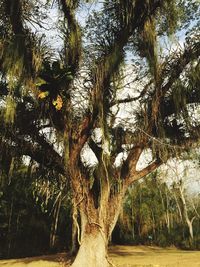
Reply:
x=40, y=82
x=58, y=103
x=42, y=95
x=69, y=77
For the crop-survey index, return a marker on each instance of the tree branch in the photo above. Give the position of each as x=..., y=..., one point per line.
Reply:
x=38, y=149
x=110, y=63
x=129, y=165
x=48, y=159
x=140, y=174
x=176, y=68
x=95, y=148
x=73, y=36
x=131, y=99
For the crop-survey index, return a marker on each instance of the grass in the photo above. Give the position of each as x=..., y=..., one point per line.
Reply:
x=121, y=256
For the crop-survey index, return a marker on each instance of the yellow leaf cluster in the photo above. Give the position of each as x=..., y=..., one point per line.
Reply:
x=58, y=103
x=42, y=95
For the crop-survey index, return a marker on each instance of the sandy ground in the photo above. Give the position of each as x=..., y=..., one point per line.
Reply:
x=121, y=256
x=144, y=256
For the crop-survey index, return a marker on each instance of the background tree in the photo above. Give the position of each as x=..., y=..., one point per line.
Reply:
x=181, y=179
x=79, y=103
x=160, y=222
x=32, y=207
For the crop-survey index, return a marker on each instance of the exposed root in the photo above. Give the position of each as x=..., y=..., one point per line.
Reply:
x=110, y=262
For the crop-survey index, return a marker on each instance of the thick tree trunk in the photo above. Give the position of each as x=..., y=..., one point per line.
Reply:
x=96, y=228
x=97, y=220
x=93, y=249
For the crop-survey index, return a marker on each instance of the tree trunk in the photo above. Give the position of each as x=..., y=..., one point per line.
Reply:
x=185, y=211
x=179, y=208
x=98, y=219
x=75, y=230
x=9, y=228
x=153, y=225
x=190, y=227
x=96, y=228
x=54, y=225
x=93, y=249
x=167, y=212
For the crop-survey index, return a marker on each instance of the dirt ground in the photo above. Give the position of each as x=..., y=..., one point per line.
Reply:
x=144, y=256
x=121, y=256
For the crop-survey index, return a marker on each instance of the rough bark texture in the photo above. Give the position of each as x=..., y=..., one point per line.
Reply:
x=93, y=250
x=97, y=222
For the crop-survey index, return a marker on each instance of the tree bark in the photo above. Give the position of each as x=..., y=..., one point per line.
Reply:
x=185, y=211
x=96, y=230
x=97, y=223
x=75, y=230
x=93, y=249
x=93, y=240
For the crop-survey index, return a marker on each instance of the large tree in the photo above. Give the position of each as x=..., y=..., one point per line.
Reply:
x=70, y=95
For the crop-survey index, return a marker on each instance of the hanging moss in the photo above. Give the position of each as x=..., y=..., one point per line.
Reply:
x=172, y=15
x=150, y=46
x=179, y=96
x=10, y=109
x=13, y=58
